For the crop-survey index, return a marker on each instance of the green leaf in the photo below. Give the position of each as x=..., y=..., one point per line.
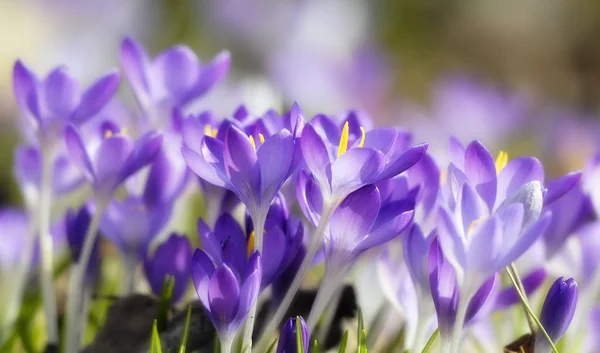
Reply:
x=165, y=302
x=155, y=346
x=299, y=343
x=430, y=341
x=362, y=348
x=315, y=347
x=272, y=346
x=217, y=345
x=186, y=330
x=359, y=333
x=344, y=342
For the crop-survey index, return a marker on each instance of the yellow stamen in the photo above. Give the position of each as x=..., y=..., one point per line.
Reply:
x=250, y=243
x=474, y=224
x=261, y=137
x=107, y=134
x=124, y=131
x=362, y=137
x=501, y=161
x=252, y=141
x=210, y=131
x=343, y=147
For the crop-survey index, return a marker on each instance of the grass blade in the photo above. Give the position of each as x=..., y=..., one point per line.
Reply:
x=186, y=330
x=272, y=346
x=360, y=332
x=299, y=340
x=155, y=346
x=165, y=302
x=344, y=342
x=431, y=341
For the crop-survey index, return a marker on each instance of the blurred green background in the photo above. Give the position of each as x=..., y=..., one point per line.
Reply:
x=388, y=57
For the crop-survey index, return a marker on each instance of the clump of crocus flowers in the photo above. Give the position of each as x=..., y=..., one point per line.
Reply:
x=460, y=250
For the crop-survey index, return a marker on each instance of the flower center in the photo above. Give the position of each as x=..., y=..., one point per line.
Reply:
x=473, y=225
x=343, y=146
x=501, y=161
x=209, y=131
x=261, y=137
x=250, y=244
x=109, y=133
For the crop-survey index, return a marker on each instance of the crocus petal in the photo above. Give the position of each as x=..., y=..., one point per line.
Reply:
x=559, y=187
x=78, y=153
x=109, y=161
x=176, y=70
x=415, y=248
x=392, y=219
x=24, y=82
x=274, y=159
x=353, y=169
x=202, y=270
x=511, y=220
x=201, y=167
x=61, y=93
x=480, y=298
x=309, y=197
x=223, y=295
x=457, y=152
x=485, y=247
x=381, y=139
x=525, y=240
x=452, y=241
x=481, y=171
x=353, y=219
x=192, y=132
x=531, y=196
x=241, y=165
x=275, y=246
x=471, y=207
x=516, y=173
x=96, y=96
x=248, y=295
x=144, y=151
x=135, y=64
x=315, y=154
x=531, y=282
x=444, y=290
x=211, y=74
x=406, y=160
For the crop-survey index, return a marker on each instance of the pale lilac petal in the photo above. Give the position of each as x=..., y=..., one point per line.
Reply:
x=275, y=247
x=457, y=153
x=315, y=154
x=516, y=173
x=177, y=69
x=559, y=187
x=511, y=220
x=309, y=197
x=201, y=167
x=223, y=294
x=248, y=295
x=28, y=166
x=135, y=64
x=97, y=96
x=353, y=169
x=275, y=161
x=480, y=298
x=406, y=160
x=202, y=270
x=471, y=207
x=531, y=196
x=209, y=242
x=485, y=247
x=525, y=241
x=381, y=139
x=353, y=218
x=61, y=93
x=415, y=248
x=425, y=174
x=451, y=240
x=145, y=149
x=531, y=282
x=109, y=160
x=390, y=223
x=192, y=133
x=78, y=153
x=24, y=82
x=241, y=165
x=480, y=169
x=211, y=74
x=327, y=128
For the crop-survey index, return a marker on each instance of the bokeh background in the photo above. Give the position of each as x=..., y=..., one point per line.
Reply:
x=519, y=75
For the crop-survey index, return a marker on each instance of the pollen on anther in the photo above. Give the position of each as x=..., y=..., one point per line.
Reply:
x=343, y=147
x=250, y=244
x=108, y=133
x=252, y=141
x=501, y=161
x=362, y=137
x=261, y=137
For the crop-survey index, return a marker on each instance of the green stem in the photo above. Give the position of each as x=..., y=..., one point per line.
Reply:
x=431, y=341
x=46, y=247
x=528, y=308
x=519, y=283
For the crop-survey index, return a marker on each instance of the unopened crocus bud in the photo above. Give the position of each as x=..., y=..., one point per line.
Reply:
x=557, y=312
x=287, y=337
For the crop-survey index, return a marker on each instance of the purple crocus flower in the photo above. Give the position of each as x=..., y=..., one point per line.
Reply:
x=57, y=101
x=132, y=224
x=227, y=294
x=287, y=337
x=362, y=157
x=115, y=159
x=446, y=292
x=253, y=169
x=14, y=223
x=172, y=258
x=28, y=172
x=76, y=225
x=173, y=78
x=557, y=312
x=531, y=282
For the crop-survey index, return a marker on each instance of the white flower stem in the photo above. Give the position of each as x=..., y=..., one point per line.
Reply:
x=258, y=221
x=128, y=279
x=226, y=345
x=459, y=321
x=313, y=247
x=46, y=247
x=419, y=330
x=75, y=309
x=327, y=290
